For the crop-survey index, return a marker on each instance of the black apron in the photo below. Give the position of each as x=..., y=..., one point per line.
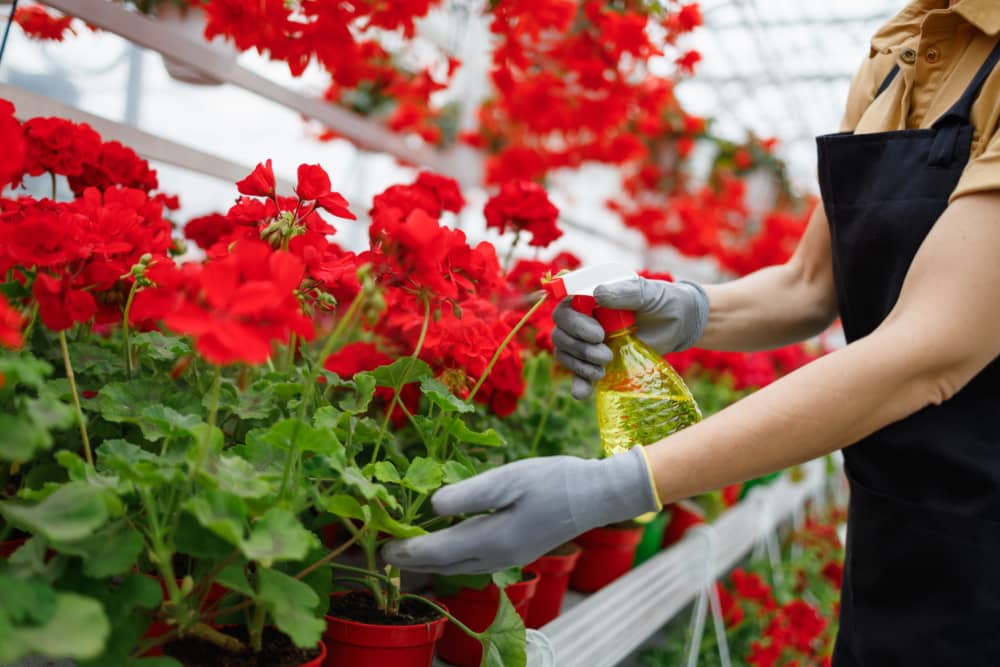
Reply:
x=922, y=569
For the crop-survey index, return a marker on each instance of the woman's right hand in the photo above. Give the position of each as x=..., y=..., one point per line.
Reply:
x=669, y=317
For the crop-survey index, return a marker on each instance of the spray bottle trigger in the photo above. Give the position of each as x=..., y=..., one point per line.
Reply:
x=584, y=303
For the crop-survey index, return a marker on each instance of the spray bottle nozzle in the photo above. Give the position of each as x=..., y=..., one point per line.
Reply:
x=580, y=285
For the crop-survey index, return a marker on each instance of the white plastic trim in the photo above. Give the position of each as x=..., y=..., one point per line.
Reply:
x=461, y=163
x=150, y=146
x=604, y=628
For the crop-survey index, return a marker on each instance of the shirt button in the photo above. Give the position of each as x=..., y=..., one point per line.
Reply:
x=932, y=55
x=908, y=56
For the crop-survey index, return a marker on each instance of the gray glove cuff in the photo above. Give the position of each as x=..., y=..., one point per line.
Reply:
x=620, y=488
x=697, y=308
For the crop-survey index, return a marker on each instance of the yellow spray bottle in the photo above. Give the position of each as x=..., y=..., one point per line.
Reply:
x=641, y=398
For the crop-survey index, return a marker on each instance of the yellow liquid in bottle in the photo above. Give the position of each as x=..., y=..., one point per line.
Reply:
x=641, y=398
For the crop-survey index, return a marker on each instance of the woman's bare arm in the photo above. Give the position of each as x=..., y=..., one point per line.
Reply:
x=777, y=305
x=944, y=329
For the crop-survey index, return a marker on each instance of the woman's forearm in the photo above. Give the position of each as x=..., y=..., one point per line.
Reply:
x=778, y=305
x=825, y=406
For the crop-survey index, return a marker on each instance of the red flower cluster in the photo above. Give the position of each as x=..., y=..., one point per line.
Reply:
x=524, y=282
x=81, y=250
x=524, y=206
x=39, y=24
x=234, y=307
x=748, y=370
x=412, y=250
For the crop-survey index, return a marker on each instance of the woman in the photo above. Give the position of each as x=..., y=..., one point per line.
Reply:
x=906, y=250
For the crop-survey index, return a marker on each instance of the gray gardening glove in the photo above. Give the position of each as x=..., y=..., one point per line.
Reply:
x=670, y=317
x=534, y=506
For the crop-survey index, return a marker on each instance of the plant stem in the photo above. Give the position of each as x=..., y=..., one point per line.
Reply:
x=329, y=557
x=549, y=402
x=76, y=398
x=392, y=591
x=125, y=328
x=52, y=175
x=510, y=252
x=397, y=389
x=213, y=636
x=503, y=346
x=444, y=612
x=256, y=629
x=290, y=361
x=291, y=459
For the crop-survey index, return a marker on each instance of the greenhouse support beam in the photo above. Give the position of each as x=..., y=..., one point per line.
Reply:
x=461, y=162
x=602, y=629
x=150, y=146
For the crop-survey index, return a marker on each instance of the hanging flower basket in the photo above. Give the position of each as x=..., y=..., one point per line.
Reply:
x=191, y=22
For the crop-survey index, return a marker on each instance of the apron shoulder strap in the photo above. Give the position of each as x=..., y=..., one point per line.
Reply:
x=888, y=80
x=961, y=111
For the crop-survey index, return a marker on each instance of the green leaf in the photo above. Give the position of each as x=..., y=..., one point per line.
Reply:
x=234, y=578
x=195, y=540
x=381, y=520
x=346, y=506
x=504, y=642
x=292, y=605
x=442, y=397
x=90, y=359
x=126, y=402
x=21, y=438
x=159, y=421
x=401, y=372
x=293, y=433
x=76, y=629
x=487, y=438
x=505, y=578
x=451, y=584
x=367, y=488
x=238, y=476
x=256, y=403
x=49, y=412
x=134, y=463
x=158, y=347
x=72, y=512
x=361, y=391
x=112, y=550
x=423, y=476
x=23, y=369
x=384, y=471
x=278, y=535
x=221, y=512
x=455, y=471
x=26, y=601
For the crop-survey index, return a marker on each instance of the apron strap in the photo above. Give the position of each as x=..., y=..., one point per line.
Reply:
x=961, y=111
x=888, y=79
x=949, y=126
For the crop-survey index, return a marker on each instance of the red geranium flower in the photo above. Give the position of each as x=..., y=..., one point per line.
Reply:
x=208, y=230
x=242, y=304
x=11, y=324
x=12, y=140
x=524, y=206
x=59, y=146
x=60, y=305
x=260, y=182
x=314, y=185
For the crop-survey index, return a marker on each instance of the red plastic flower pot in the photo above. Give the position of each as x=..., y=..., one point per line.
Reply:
x=477, y=609
x=555, y=570
x=353, y=644
x=607, y=554
x=684, y=515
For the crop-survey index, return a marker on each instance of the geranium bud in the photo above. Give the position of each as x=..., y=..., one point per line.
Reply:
x=181, y=367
